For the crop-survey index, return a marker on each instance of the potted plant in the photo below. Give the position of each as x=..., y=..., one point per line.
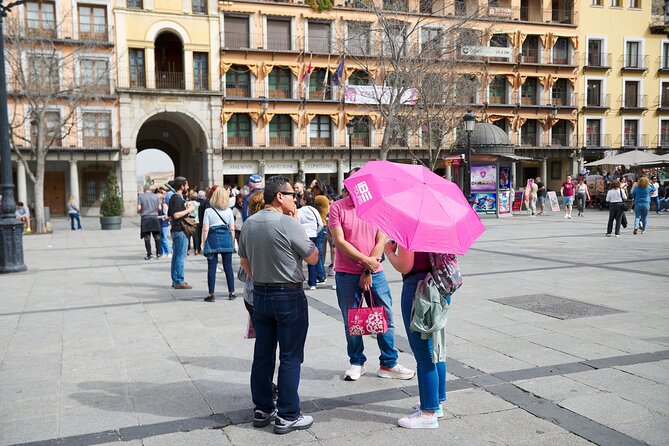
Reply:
x=111, y=207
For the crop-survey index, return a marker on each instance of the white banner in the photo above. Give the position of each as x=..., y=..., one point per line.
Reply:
x=375, y=94
x=320, y=167
x=486, y=51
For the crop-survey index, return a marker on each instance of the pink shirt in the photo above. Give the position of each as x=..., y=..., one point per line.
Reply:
x=357, y=232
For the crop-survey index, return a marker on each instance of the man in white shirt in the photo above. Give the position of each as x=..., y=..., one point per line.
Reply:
x=655, y=195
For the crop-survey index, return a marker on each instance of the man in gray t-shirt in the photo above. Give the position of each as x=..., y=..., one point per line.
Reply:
x=272, y=246
x=148, y=204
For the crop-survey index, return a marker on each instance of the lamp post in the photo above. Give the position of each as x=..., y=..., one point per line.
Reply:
x=349, y=131
x=11, y=230
x=469, y=121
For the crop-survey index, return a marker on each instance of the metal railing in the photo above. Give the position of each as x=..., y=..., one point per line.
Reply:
x=94, y=142
x=597, y=60
x=170, y=80
x=633, y=140
x=239, y=91
x=664, y=140
x=280, y=42
x=320, y=142
x=662, y=102
x=239, y=141
x=499, y=100
x=322, y=45
x=633, y=101
x=201, y=81
x=562, y=139
x=137, y=78
x=633, y=61
x=277, y=93
x=530, y=55
x=532, y=13
x=281, y=141
x=564, y=59
x=531, y=140
x=320, y=94
x=66, y=30
x=95, y=33
x=563, y=99
x=597, y=140
x=602, y=101
x=566, y=16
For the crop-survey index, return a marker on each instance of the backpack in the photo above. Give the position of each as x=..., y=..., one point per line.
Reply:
x=445, y=272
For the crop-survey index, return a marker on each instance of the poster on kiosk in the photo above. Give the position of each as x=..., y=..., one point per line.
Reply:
x=484, y=188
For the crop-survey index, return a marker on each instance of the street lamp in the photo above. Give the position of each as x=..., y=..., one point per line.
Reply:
x=11, y=229
x=469, y=121
x=349, y=131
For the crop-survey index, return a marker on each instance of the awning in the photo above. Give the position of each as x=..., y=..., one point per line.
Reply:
x=516, y=157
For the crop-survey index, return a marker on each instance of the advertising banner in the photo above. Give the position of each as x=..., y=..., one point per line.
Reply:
x=553, y=200
x=376, y=94
x=505, y=177
x=484, y=177
x=485, y=203
x=504, y=202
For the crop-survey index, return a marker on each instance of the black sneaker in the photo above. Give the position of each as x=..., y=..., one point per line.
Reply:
x=262, y=419
x=210, y=298
x=282, y=426
x=148, y=257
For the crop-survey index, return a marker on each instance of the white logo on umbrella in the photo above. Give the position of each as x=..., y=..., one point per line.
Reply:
x=362, y=192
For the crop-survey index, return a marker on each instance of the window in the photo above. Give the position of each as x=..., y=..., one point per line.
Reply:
x=394, y=40
x=200, y=71
x=135, y=4
x=94, y=188
x=664, y=133
x=317, y=85
x=665, y=54
x=395, y=5
x=595, y=56
x=664, y=95
x=594, y=93
x=460, y=7
x=528, y=133
x=529, y=92
x=530, y=50
x=561, y=51
x=41, y=18
x=359, y=77
x=95, y=74
x=425, y=6
x=467, y=89
x=319, y=37
x=360, y=136
x=278, y=35
x=281, y=131
x=597, y=2
x=319, y=131
x=199, y=6
x=632, y=55
x=636, y=4
x=631, y=94
x=236, y=32
x=239, y=130
x=358, y=38
x=431, y=42
x=502, y=124
x=616, y=3
x=593, y=134
x=560, y=93
x=41, y=69
x=497, y=91
x=97, y=129
x=238, y=82
x=631, y=133
x=432, y=134
x=499, y=41
x=466, y=37
x=52, y=128
x=556, y=170
x=560, y=133
x=137, y=71
x=93, y=23
x=433, y=89
x=279, y=83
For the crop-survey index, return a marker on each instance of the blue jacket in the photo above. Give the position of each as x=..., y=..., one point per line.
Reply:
x=642, y=196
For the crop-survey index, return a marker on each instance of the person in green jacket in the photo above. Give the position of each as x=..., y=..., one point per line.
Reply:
x=431, y=376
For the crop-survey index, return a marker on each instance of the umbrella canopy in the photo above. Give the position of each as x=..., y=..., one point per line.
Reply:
x=661, y=161
x=632, y=158
x=415, y=207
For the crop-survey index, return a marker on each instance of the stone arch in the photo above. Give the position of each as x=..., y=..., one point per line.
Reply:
x=167, y=26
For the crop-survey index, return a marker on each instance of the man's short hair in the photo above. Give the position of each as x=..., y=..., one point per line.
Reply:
x=273, y=186
x=147, y=187
x=179, y=182
x=19, y=203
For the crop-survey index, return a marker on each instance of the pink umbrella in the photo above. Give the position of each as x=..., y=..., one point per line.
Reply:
x=415, y=207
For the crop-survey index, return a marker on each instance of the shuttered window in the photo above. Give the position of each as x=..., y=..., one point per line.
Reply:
x=236, y=32
x=319, y=37
x=278, y=34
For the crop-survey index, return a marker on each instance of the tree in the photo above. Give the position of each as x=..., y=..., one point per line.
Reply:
x=45, y=90
x=112, y=205
x=421, y=81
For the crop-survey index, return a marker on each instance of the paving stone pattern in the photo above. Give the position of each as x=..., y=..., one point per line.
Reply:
x=97, y=349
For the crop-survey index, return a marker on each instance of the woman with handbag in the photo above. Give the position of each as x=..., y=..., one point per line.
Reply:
x=615, y=197
x=431, y=376
x=218, y=234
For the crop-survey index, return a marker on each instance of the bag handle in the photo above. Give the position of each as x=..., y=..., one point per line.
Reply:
x=371, y=300
x=219, y=216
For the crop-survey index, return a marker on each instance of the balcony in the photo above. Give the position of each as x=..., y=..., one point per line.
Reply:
x=360, y=141
x=320, y=94
x=565, y=16
x=63, y=31
x=201, y=82
x=531, y=55
x=563, y=100
x=170, y=80
x=137, y=78
x=319, y=45
x=561, y=139
x=662, y=103
x=597, y=61
x=96, y=142
x=596, y=102
x=93, y=33
x=320, y=142
x=498, y=100
x=530, y=12
x=633, y=103
x=597, y=140
x=280, y=93
x=663, y=140
x=634, y=62
x=633, y=140
x=239, y=141
x=238, y=91
x=285, y=141
x=570, y=58
x=235, y=40
x=530, y=140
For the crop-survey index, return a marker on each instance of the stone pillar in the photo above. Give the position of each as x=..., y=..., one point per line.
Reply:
x=574, y=167
x=150, y=61
x=74, y=181
x=188, y=72
x=129, y=181
x=301, y=165
x=21, y=188
x=514, y=180
x=340, y=174
x=544, y=170
x=216, y=167
x=449, y=173
x=261, y=169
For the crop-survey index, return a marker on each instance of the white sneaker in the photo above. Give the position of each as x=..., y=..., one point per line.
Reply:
x=282, y=426
x=355, y=372
x=312, y=288
x=439, y=412
x=334, y=287
x=220, y=268
x=569, y=217
x=566, y=216
x=419, y=420
x=331, y=271
x=397, y=372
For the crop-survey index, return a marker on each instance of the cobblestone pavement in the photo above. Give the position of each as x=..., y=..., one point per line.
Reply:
x=559, y=336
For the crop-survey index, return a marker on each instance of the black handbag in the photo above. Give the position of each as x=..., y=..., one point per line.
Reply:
x=624, y=206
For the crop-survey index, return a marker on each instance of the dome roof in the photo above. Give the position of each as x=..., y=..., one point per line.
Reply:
x=486, y=135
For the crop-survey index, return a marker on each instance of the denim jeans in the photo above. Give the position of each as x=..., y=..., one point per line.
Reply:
x=348, y=296
x=431, y=377
x=73, y=217
x=179, y=250
x=641, y=214
x=279, y=315
x=313, y=269
x=212, y=263
x=320, y=266
x=164, y=245
x=656, y=200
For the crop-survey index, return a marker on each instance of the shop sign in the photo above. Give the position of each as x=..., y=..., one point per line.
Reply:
x=281, y=167
x=486, y=51
x=240, y=167
x=320, y=167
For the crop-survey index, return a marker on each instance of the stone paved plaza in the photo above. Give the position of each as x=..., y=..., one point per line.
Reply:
x=96, y=348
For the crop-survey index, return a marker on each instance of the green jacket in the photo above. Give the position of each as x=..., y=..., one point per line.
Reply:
x=428, y=317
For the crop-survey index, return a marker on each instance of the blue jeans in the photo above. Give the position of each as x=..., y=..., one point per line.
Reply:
x=348, y=296
x=212, y=263
x=179, y=250
x=73, y=217
x=641, y=214
x=279, y=315
x=431, y=377
x=164, y=245
x=313, y=269
x=320, y=266
x=656, y=200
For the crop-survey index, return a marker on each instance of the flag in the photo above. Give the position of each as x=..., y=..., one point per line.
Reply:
x=307, y=72
x=338, y=77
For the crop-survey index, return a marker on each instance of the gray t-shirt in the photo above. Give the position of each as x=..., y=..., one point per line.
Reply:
x=150, y=203
x=275, y=245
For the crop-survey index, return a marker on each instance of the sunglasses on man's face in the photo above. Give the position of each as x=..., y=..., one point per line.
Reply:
x=292, y=194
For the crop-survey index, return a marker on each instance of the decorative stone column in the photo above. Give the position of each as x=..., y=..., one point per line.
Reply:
x=74, y=182
x=301, y=165
x=514, y=180
x=129, y=181
x=574, y=167
x=21, y=189
x=340, y=174
x=544, y=170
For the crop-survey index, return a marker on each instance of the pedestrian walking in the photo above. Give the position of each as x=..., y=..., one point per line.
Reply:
x=541, y=195
x=321, y=203
x=641, y=196
x=616, y=198
x=431, y=376
x=655, y=194
x=194, y=240
x=664, y=202
x=313, y=224
x=582, y=195
x=567, y=192
x=177, y=210
x=164, y=224
x=271, y=249
x=218, y=235
x=358, y=270
x=73, y=212
x=532, y=207
x=148, y=205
